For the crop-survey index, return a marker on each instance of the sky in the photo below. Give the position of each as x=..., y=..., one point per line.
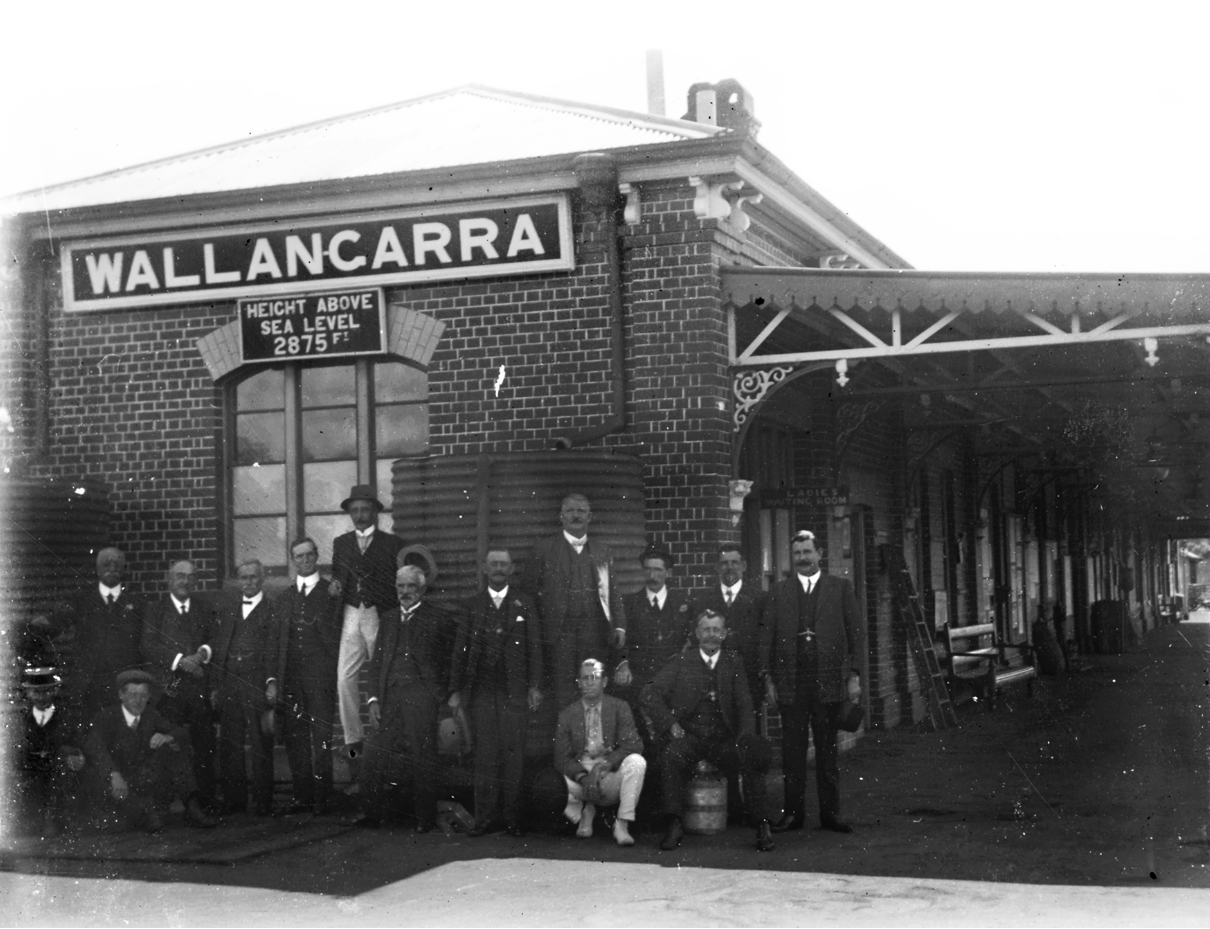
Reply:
x=965, y=136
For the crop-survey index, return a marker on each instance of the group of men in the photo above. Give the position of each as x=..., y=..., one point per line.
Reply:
x=653, y=676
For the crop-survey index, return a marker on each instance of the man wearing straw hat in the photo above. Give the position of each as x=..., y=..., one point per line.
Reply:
x=47, y=760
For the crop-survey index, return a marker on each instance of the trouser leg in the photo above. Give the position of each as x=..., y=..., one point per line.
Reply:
x=231, y=762
x=827, y=768
x=795, y=719
x=486, y=721
x=297, y=734
x=748, y=757
x=676, y=761
x=632, y=771
x=359, y=632
x=513, y=721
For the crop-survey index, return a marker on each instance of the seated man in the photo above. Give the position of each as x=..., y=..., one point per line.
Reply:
x=47, y=760
x=701, y=706
x=597, y=750
x=139, y=762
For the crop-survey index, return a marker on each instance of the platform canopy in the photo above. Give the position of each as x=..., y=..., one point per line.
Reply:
x=1048, y=368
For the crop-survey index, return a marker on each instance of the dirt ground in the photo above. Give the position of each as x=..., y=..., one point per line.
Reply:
x=1099, y=779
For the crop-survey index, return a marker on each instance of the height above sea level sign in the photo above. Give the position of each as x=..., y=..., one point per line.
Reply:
x=301, y=326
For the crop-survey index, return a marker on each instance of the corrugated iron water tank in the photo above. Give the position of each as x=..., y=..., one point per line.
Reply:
x=456, y=504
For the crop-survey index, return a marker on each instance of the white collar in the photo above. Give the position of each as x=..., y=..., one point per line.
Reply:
x=107, y=592
x=498, y=595
x=179, y=603
x=577, y=544
x=711, y=660
x=251, y=603
x=734, y=591
x=364, y=534
x=808, y=581
x=307, y=584
x=130, y=717
x=660, y=596
x=43, y=716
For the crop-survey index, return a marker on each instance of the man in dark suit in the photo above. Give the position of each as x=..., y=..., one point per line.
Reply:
x=409, y=680
x=572, y=578
x=812, y=640
x=141, y=759
x=363, y=583
x=177, y=631
x=239, y=680
x=597, y=750
x=107, y=619
x=658, y=627
x=497, y=667
x=740, y=604
x=700, y=704
x=301, y=669
x=47, y=760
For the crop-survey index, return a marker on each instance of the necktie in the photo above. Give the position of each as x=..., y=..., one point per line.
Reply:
x=362, y=542
x=302, y=588
x=184, y=608
x=730, y=597
x=135, y=724
x=110, y=598
x=249, y=602
x=655, y=603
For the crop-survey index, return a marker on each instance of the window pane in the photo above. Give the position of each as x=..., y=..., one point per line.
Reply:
x=385, y=520
x=263, y=391
x=329, y=434
x=395, y=382
x=258, y=490
x=260, y=437
x=326, y=484
x=325, y=527
x=333, y=386
x=402, y=429
x=261, y=537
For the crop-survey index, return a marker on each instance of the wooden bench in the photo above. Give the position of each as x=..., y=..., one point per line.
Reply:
x=977, y=656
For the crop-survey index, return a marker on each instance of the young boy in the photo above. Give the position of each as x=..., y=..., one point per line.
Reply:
x=48, y=762
x=141, y=758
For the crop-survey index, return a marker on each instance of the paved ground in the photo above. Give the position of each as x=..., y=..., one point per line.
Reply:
x=1086, y=804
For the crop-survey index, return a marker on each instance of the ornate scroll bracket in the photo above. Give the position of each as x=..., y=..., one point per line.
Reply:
x=632, y=211
x=751, y=387
x=720, y=198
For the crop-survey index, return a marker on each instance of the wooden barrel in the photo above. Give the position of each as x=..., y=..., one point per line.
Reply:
x=705, y=802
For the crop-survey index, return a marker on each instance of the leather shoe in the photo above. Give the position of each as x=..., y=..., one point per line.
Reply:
x=833, y=824
x=196, y=816
x=788, y=822
x=674, y=835
x=516, y=830
x=485, y=828
x=425, y=825
x=764, y=837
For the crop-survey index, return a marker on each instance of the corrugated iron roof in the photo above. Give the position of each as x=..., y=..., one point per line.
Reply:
x=467, y=125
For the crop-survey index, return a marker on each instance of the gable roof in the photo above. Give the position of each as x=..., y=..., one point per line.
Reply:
x=464, y=126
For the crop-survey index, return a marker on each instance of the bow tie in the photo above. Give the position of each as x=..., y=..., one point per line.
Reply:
x=249, y=602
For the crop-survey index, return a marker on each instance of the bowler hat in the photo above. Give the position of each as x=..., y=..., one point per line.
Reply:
x=653, y=552
x=421, y=557
x=362, y=492
x=40, y=678
x=134, y=676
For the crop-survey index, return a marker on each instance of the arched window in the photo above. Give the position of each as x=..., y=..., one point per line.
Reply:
x=300, y=436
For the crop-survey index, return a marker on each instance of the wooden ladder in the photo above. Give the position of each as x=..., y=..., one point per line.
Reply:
x=928, y=668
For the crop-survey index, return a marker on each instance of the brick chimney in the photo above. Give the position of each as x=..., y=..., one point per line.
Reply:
x=726, y=104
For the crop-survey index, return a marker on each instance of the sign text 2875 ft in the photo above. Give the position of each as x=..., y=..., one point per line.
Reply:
x=313, y=325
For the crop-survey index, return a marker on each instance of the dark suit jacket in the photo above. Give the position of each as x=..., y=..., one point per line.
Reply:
x=167, y=634
x=617, y=730
x=429, y=637
x=258, y=632
x=839, y=636
x=548, y=576
x=684, y=681
x=114, y=746
x=310, y=623
x=368, y=577
x=521, y=643
x=38, y=752
x=107, y=640
x=743, y=623
x=653, y=636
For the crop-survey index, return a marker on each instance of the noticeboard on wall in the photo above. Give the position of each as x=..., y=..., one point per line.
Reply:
x=309, y=326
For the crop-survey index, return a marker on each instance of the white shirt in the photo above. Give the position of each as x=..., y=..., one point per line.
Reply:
x=498, y=595
x=307, y=584
x=131, y=719
x=181, y=605
x=808, y=581
x=107, y=592
x=42, y=717
x=733, y=591
x=711, y=660
x=251, y=603
x=659, y=597
x=577, y=544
